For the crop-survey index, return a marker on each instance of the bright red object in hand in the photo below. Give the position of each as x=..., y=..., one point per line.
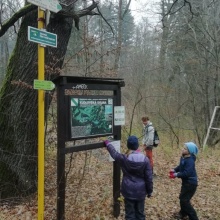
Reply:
x=172, y=176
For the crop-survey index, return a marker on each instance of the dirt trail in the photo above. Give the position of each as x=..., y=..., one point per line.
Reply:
x=89, y=189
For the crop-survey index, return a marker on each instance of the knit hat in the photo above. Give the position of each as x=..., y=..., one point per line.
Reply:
x=132, y=143
x=192, y=148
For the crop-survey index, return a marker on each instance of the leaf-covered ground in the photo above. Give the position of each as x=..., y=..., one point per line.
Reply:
x=89, y=188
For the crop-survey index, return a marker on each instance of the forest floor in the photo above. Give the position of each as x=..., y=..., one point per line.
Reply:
x=89, y=188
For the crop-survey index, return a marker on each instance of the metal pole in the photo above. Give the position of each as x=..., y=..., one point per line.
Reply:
x=210, y=126
x=116, y=165
x=61, y=129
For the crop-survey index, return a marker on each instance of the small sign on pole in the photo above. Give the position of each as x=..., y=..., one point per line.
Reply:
x=42, y=37
x=43, y=84
x=119, y=115
x=51, y=5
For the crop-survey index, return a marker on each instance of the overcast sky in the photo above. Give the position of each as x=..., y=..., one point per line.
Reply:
x=148, y=9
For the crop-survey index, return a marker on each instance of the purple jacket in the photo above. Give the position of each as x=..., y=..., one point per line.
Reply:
x=137, y=174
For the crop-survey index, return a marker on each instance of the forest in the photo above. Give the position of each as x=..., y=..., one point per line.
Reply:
x=166, y=51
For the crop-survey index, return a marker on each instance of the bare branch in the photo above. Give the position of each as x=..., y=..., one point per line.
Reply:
x=126, y=9
x=81, y=13
x=28, y=8
x=105, y=21
x=212, y=3
x=170, y=12
x=10, y=22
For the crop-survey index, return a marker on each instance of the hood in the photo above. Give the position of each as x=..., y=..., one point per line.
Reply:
x=192, y=148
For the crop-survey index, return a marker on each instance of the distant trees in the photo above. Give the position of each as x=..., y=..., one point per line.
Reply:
x=92, y=51
x=7, y=42
x=192, y=61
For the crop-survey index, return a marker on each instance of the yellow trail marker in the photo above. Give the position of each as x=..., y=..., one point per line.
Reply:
x=41, y=61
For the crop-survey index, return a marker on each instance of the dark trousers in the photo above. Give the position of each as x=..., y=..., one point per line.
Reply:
x=186, y=193
x=134, y=210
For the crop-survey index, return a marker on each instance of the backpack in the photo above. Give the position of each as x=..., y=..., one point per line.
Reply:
x=156, y=138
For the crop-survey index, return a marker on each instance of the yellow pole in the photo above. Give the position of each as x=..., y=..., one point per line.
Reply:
x=40, y=123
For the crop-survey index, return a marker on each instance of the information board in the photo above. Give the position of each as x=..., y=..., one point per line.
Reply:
x=91, y=117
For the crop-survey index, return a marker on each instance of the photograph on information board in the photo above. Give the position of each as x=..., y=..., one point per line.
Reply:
x=91, y=117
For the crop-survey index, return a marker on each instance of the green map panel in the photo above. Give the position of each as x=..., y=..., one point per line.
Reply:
x=91, y=117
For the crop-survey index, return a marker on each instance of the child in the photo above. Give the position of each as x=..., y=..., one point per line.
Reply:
x=137, y=178
x=187, y=172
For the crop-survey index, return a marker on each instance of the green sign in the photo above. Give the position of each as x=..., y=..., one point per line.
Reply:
x=42, y=37
x=43, y=84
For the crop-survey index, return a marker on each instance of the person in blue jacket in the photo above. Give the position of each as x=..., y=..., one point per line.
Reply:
x=187, y=172
x=137, y=178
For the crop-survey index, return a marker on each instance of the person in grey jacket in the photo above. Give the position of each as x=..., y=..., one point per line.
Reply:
x=148, y=138
x=187, y=172
x=137, y=178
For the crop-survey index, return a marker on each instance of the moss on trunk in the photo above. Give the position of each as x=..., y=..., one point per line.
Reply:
x=18, y=106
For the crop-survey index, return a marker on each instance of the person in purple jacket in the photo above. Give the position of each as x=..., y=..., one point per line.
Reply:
x=137, y=178
x=187, y=172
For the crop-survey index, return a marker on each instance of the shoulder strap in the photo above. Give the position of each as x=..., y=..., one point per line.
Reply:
x=148, y=127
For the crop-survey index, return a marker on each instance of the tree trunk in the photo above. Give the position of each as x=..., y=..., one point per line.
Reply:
x=18, y=105
x=119, y=39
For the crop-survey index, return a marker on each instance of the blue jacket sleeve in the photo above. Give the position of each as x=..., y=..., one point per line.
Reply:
x=177, y=169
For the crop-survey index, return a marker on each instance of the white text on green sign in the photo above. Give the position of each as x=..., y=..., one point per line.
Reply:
x=42, y=37
x=43, y=84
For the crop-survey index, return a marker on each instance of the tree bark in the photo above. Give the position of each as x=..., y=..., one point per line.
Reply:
x=18, y=105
